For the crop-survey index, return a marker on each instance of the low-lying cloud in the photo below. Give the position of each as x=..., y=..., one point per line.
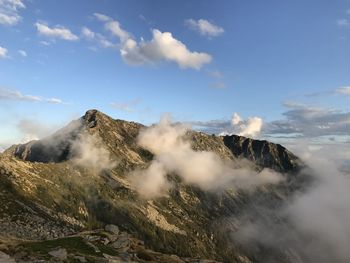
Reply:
x=314, y=226
x=174, y=155
x=88, y=151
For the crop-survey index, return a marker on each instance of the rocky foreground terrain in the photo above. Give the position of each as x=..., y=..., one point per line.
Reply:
x=56, y=207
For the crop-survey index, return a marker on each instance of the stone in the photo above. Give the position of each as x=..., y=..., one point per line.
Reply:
x=4, y=258
x=59, y=253
x=112, y=229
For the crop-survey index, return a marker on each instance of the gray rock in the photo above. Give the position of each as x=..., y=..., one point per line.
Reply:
x=4, y=258
x=81, y=259
x=112, y=229
x=60, y=253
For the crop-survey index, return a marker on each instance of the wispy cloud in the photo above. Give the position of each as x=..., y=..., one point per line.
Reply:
x=162, y=47
x=204, y=27
x=115, y=28
x=343, y=91
x=219, y=79
x=102, y=17
x=90, y=35
x=55, y=32
x=14, y=95
x=23, y=53
x=9, y=11
x=128, y=106
x=343, y=22
x=3, y=52
x=309, y=121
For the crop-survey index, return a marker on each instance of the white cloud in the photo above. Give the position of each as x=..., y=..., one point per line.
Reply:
x=9, y=11
x=90, y=152
x=204, y=27
x=7, y=94
x=14, y=95
x=54, y=101
x=343, y=90
x=251, y=127
x=174, y=154
x=22, y=53
x=236, y=119
x=343, y=22
x=87, y=33
x=90, y=35
x=115, y=28
x=102, y=17
x=163, y=46
x=55, y=32
x=3, y=52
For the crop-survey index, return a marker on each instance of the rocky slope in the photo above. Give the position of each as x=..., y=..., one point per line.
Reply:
x=47, y=194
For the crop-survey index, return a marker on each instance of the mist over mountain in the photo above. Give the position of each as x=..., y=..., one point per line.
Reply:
x=177, y=191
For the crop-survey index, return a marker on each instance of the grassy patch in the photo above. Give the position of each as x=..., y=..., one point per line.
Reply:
x=72, y=244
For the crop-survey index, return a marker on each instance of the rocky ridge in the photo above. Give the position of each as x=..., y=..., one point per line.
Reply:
x=45, y=195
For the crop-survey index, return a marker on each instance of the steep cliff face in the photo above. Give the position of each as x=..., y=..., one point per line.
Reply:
x=263, y=153
x=58, y=196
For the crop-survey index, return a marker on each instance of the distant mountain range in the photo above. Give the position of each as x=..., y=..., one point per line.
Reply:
x=58, y=195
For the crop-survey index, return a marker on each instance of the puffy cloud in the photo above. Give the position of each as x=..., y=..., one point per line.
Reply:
x=173, y=154
x=204, y=27
x=9, y=11
x=8, y=94
x=163, y=46
x=343, y=91
x=3, y=52
x=251, y=127
x=236, y=119
x=23, y=53
x=55, y=32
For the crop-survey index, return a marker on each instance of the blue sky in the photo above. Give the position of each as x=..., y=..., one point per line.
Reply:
x=285, y=63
